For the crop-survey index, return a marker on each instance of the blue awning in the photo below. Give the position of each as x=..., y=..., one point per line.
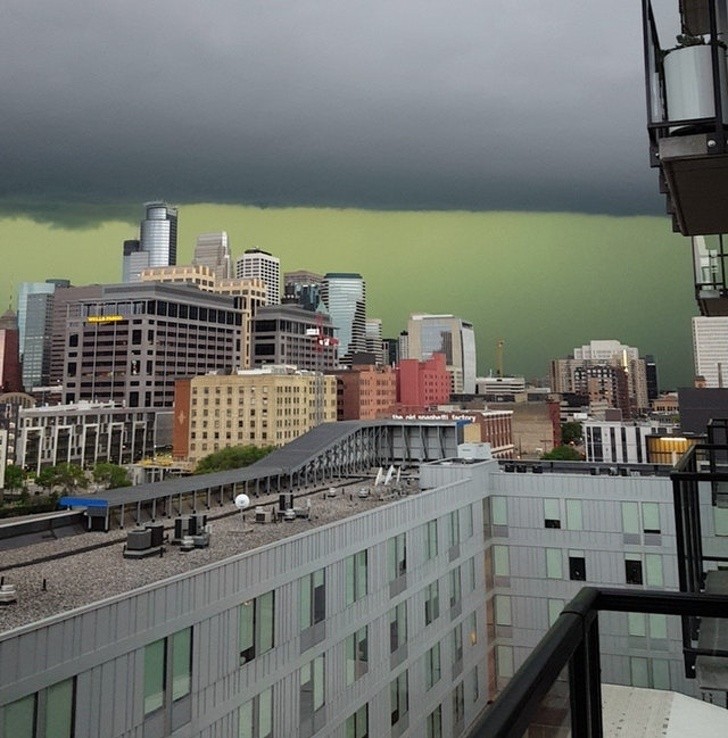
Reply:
x=82, y=502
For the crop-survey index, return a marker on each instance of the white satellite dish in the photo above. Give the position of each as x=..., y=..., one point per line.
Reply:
x=242, y=501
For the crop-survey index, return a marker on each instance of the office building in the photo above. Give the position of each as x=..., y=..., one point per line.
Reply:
x=11, y=379
x=604, y=353
x=366, y=392
x=85, y=434
x=451, y=336
x=269, y=406
x=157, y=242
x=33, y=288
x=422, y=385
x=373, y=342
x=292, y=335
x=644, y=442
x=302, y=288
x=213, y=251
x=129, y=343
x=710, y=350
x=259, y=264
x=501, y=389
x=344, y=295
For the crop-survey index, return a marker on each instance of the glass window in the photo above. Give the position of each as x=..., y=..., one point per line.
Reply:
x=181, y=663
x=630, y=517
x=431, y=539
x=434, y=723
x=432, y=666
x=455, y=587
x=504, y=661
x=357, y=655
x=551, y=513
x=470, y=574
x=573, y=515
x=396, y=557
x=474, y=689
x=59, y=710
x=638, y=672
x=633, y=569
x=398, y=697
x=357, y=725
x=397, y=626
x=637, y=624
x=554, y=563
x=472, y=626
x=653, y=565
x=457, y=644
x=311, y=692
x=467, y=522
x=503, y=610
x=256, y=716
x=454, y=527
x=720, y=520
x=658, y=626
x=356, y=577
x=19, y=718
x=155, y=662
x=650, y=517
x=555, y=607
x=432, y=602
x=256, y=626
x=458, y=703
x=501, y=563
x=312, y=599
x=498, y=511
x=660, y=674
x=577, y=566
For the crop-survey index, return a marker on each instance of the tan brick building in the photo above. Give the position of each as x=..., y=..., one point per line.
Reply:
x=262, y=407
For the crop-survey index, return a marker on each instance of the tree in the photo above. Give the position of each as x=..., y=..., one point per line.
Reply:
x=47, y=478
x=233, y=457
x=563, y=453
x=110, y=475
x=571, y=433
x=14, y=477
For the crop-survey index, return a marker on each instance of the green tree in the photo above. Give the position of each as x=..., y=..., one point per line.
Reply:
x=71, y=477
x=110, y=475
x=14, y=477
x=233, y=457
x=48, y=477
x=571, y=433
x=563, y=453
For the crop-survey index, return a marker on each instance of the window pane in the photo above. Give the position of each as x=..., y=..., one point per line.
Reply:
x=361, y=574
x=551, y=509
x=318, y=682
x=265, y=619
x=304, y=593
x=658, y=626
x=555, y=608
x=504, y=661
x=59, y=710
x=653, y=564
x=154, y=674
x=245, y=724
x=630, y=517
x=501, y=565
x=553, y=563
x=503, y=610
x=265, y=714
x=19, y=718
x=660, y=674
x=181, y=663
x=247, y=611
x=651, y=517
x=498, y=511
x=573, y=515
x=637, y=624
x=720, y=518
x=638, y=667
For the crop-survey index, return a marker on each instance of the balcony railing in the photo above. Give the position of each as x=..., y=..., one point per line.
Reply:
x=572, y=645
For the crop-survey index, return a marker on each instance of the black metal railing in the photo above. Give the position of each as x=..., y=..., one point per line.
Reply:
x=573, y=644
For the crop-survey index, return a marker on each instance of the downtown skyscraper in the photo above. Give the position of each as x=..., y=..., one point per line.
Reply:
x=157, y=243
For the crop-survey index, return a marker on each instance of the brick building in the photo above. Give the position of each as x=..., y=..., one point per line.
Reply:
x=422, y=384
x=365, y=392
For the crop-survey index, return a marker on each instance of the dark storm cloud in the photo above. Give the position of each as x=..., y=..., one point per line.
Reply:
x=400, y=104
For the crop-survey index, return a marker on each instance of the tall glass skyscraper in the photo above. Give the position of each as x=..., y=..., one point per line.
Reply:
x=157, y=244
x=345, y=298
x=449, y=335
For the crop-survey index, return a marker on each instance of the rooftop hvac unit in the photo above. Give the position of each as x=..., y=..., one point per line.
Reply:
x=139, y=539
x=285, y=500
x=263, y=515
x=8, y=594
x=157, y=533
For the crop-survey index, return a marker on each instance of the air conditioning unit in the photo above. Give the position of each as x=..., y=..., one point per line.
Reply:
x=263, y=515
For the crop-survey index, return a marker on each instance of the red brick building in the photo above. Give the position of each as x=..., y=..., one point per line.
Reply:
x=365, y=392
x=11, y=379
x=422, y=384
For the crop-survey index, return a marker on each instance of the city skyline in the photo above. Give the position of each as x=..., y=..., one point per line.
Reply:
x=543, y=282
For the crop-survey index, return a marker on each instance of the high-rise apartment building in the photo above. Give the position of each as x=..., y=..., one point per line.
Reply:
x=157, y=243
x=213, y=251
x=344, y=295
x=374, y=344
x=605, y=353
x=256, y=263
x=710, y=350
x=448, y=335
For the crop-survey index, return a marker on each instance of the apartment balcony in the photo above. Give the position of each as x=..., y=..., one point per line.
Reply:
x=687, y=111
x=709, y=267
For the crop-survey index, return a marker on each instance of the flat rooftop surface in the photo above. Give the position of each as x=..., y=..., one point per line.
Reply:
x=76, y=576
x=631, y=712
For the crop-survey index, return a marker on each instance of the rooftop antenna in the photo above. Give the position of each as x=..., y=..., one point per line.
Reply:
x=499, y=357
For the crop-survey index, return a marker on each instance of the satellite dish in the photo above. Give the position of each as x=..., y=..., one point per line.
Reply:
x=242, y=501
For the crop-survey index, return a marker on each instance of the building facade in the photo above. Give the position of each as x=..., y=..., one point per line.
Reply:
x=157, y=242
x=302, y=288
x=448, y=335
x=710, y=350
x=11, y=378
x=422, y=384
x=84, y=434
x=289, y=334
x=129, y=343
x=366, y=392
x=261, y=407
x=345, y=297
x=259, y=264
x=213, y=251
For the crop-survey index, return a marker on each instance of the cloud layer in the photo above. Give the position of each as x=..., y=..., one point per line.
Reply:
x=416, y=104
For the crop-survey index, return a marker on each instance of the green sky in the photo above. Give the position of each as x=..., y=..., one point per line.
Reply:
x=543, y=282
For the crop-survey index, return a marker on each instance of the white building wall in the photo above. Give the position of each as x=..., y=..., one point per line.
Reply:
x=710, y=350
